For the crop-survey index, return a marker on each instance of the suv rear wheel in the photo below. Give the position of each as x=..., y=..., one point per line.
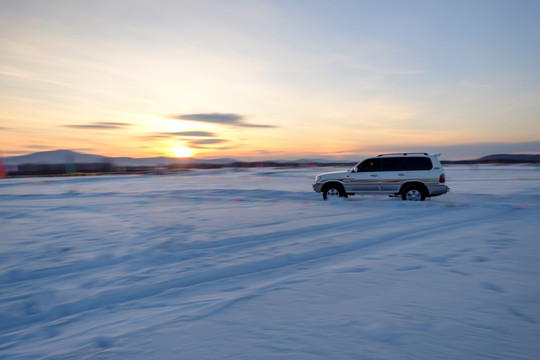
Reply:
x=413, y=193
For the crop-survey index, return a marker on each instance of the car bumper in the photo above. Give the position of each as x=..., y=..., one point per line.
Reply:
x=317, y=187
x=436, y=190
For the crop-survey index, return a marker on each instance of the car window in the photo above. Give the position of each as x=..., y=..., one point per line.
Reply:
x=392, y=164
x=417, y=163
x=369, y=165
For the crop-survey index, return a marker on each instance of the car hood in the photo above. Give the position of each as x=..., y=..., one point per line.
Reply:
x=333, y=175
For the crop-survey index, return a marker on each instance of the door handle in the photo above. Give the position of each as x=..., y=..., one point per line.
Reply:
x=401, y=174
x=374, y=175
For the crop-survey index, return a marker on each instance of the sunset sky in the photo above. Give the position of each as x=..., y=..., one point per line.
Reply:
x=269, y=79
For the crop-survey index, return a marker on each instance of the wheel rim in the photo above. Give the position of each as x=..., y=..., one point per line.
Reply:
x=414, y=195
x=332, y=193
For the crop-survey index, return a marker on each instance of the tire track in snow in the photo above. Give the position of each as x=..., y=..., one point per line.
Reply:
x=132, y=293
x=225, y=245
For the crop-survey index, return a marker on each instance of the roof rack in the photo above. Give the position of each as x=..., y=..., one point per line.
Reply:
x=411, y=153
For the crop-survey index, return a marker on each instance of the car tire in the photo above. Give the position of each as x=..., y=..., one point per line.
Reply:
x=413, y=193
x=333, y=192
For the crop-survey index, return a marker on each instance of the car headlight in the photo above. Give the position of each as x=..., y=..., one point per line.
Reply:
x=318, y=179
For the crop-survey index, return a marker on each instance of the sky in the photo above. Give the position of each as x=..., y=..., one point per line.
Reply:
x=269, y=79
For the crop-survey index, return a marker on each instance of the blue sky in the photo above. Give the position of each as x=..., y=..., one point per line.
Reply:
x=299, y=78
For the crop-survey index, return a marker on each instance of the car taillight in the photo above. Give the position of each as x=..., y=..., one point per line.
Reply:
x=442, y=179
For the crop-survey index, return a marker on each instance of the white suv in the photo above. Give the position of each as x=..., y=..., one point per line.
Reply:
x=414, y=176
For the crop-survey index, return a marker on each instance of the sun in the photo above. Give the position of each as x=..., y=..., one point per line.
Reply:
x=182, y=151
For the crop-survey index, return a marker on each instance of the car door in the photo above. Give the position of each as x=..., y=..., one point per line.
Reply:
x=419, y=169
x=365, y=176
x=392, y=174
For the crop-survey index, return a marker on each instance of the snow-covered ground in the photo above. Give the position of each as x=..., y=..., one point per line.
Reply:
x=252, y=264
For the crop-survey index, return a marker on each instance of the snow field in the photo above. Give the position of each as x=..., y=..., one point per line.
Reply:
x=252, y=264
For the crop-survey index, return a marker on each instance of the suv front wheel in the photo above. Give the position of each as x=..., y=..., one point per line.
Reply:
x=333, y=191
x=413, y=193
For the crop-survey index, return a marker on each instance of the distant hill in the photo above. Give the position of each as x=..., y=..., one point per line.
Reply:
x=512, y=158
x=501, y=159
x=67, y=162
x=67, y=156
x=53, y=157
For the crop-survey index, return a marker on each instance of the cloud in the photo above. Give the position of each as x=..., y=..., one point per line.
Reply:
x=154, y=136
x=219, y=118
x=194, y=139
x=184, y=135
x=191, y=133
x=99, y=125
x=205, y=143
x=39, y=147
